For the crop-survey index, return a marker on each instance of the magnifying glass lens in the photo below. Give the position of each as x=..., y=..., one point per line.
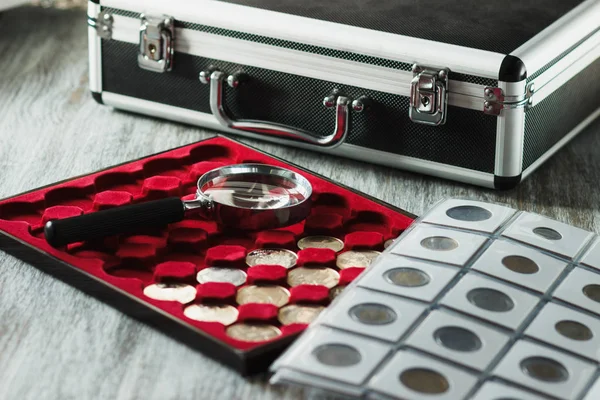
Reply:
x=254, y=191
x=242, y=196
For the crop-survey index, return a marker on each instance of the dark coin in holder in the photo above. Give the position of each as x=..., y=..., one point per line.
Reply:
x=468, y=213
x=373, y=314
x=592, y=292
x=544, y=369
x=457, y=339
x=424, y=380
x=574, y=330
x=490, y=300
x=520, y=264
x=547, y=233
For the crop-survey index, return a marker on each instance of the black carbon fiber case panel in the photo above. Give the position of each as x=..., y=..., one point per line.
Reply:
x=554, y=117
x=345, y=55
x=500, y=26
x=467, y=140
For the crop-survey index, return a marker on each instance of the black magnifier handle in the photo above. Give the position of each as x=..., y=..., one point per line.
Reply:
x=114, y=221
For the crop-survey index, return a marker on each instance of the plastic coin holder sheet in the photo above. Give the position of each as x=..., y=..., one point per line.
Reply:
x=486, y=302
x=592, y=257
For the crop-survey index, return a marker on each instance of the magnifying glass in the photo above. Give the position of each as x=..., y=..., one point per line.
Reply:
x=242, y=196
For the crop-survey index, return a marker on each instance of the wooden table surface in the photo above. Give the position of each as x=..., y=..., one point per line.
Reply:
x=57, y=343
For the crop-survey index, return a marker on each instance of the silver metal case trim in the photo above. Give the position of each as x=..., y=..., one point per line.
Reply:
x=95, y=50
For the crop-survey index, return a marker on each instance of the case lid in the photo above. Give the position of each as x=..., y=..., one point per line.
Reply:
x=496, y=26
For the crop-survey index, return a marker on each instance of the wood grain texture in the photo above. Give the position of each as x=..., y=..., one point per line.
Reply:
x=57, y=343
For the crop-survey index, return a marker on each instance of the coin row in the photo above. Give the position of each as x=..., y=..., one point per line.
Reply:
x=227, y=314
x=328, y=242
x=299, y=276
x=259, y=294
x=288, y=259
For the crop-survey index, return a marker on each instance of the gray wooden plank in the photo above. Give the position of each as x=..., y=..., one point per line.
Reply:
x=56, y=342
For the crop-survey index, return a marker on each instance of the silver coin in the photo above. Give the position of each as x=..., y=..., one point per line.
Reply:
x=439, y=243
x=356, y=258
x=283, y=257
x=469, y=213
x=373, y=314
x=216, y=274
x=170, y=292
x=321, y=242
x=407, y=277
x=222, y=313
x=337, y=355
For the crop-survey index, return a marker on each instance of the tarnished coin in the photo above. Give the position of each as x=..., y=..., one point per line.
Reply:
x=253, y=332
x=321, y=242
x=313, y=276
x=264, y=294
x=407, y=277
x=283, y=257
x=294, y=314
x=388, y=243
x=356, y=258
x=335, y=292
x=373, y=314
x=216, y=274
x=222, y=313
x=424, y=380
x=171, y=292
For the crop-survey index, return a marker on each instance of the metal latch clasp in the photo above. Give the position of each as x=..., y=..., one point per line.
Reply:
x=157, y=43
x=429, y=95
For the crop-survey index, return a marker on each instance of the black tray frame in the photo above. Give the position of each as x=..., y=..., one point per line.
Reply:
x=249, y=362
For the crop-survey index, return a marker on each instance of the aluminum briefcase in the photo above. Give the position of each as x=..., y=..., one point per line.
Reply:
x=477, y=92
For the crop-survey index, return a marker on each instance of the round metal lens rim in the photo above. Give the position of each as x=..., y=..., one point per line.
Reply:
x=300, y=182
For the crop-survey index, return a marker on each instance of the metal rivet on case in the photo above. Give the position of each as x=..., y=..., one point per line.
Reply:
x=488, y=92
x=329, y=101
x=360, y=104
x=487, y=105
x=531, y=88
x=234, y=80
x=204, y=77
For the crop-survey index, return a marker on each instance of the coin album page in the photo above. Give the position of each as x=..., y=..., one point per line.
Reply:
x=473, y=301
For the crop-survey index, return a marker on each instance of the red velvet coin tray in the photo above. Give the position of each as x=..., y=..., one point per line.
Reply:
x=117, y=269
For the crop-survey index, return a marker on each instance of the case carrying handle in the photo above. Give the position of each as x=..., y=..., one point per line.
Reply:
x=217, y=105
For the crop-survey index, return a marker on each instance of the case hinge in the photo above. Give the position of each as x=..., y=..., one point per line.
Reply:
x=429, y=95
x=157, y=43
x=103, y=24
x=496, y=101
